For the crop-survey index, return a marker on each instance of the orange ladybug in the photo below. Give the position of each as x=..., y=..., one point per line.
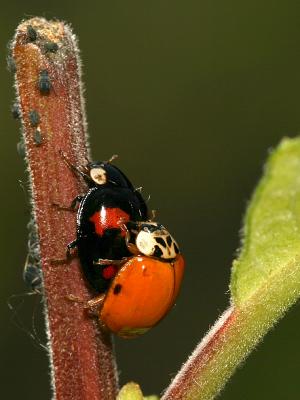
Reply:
x=142, y=293
x=146, y=285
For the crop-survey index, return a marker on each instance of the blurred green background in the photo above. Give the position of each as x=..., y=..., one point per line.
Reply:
x=191, y=95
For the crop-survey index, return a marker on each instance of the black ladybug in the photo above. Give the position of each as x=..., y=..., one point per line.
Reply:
x=109, y=204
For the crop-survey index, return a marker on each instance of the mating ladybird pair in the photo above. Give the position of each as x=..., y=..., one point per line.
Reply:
x=133, y=263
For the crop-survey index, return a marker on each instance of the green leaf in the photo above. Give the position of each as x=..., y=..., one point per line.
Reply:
x=265, y=280
x=271, y=245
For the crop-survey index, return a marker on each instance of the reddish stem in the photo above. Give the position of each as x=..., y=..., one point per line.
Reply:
x=81, y=357
x=191, y=381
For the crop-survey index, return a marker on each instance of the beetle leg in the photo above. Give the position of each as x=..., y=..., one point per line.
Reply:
x=76, y=201
x=130, y=246
x=75, y=299
x=81, y=170
x=94, y=305
x=69, y=254
x=133, y=249
x=72, y=207
x=105, y=261
x=70, y=246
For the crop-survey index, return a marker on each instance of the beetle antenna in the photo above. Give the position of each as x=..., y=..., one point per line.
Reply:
x=87, y=160
x=148, y=198
x=112, y=158
x=152, y=215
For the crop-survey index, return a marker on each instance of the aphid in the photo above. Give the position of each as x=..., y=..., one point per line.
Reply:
x=31, y=33
x=15, y=111
x=51, y=47
x=21, y=148
x=34, y=118
x=37, y=137
x=44, y=82
x=11, y=64
x=32, y=273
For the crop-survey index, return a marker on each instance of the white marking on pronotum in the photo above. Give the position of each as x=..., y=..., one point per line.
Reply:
x=98, y=175
x=150, y=239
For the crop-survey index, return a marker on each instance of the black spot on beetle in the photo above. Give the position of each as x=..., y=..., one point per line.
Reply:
x=117, y=288
x=169, y=240
x=176, y=248
x=157, y=251
x=161, y=241
x=34, y=118
x=31, y=33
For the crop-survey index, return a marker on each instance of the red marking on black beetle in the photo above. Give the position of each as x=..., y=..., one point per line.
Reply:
x=108, y=218
x=109, y=272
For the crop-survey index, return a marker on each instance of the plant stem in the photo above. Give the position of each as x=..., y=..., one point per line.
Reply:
x=82, y=364
x=265, y=280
